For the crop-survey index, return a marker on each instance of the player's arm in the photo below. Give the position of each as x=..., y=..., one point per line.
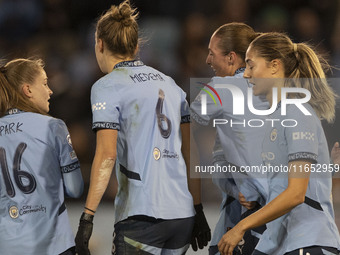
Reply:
x=292, y=196
x=103, y=162
x=247, y=204
x=201, y=233
x=194, y=184
x=73, y=183
x=68, y=161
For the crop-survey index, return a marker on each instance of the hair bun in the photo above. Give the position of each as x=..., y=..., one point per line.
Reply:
x=123, y=13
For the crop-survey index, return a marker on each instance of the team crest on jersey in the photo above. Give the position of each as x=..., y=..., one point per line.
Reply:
x=156, y=153
x=13, y=212
x=69, y=140
x=273, y=135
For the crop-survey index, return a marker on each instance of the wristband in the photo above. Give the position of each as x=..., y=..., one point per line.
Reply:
x=89, y=209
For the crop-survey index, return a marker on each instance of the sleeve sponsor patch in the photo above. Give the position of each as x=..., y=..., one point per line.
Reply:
x=106, y=125
x=302, y=155
x=73, y=155
x=70, y=168
x=185, y=119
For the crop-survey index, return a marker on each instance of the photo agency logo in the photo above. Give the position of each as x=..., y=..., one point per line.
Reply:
x=243, y=103
x=204, y=98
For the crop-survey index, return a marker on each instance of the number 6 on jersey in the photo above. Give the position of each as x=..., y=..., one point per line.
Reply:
x=161, y=118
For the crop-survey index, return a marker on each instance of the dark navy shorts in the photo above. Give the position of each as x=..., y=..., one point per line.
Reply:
x=71, y=251
x=314, y=250
x=156, y=237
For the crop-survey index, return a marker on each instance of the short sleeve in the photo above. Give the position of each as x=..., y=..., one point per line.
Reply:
x=63, y=145
x=302, y=140
x=185, y=111
x=105, y=107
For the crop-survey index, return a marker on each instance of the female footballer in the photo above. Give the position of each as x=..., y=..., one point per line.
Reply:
x=38, y=165
x=140, y=117
x=299, y=213
x=234, y=145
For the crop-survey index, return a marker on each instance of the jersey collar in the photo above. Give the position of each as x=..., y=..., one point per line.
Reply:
x=131, y=63
x=240, y=70
x=278, y=106
x=13, y=111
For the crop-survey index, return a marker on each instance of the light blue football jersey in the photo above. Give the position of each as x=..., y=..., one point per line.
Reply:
x=147, y=108
x=218, y=154
x=36, y=154
x=310, y=223
x=238, y=145
x=239, y=141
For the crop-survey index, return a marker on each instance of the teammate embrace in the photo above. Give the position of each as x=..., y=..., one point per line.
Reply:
x=297, y=210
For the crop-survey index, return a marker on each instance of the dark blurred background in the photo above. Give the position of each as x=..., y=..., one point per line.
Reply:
x=176, y=35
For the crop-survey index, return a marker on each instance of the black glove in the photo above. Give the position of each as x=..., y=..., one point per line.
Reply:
x=201, y=234
x=84, y=233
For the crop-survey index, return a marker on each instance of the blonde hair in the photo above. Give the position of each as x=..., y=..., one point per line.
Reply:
x=12, y=76
x=299, y=61
x=118, y=29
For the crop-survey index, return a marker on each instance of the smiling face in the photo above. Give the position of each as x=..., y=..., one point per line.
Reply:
x=39, y=92
x=218, y=60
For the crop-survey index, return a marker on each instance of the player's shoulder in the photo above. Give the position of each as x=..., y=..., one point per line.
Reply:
x=160, y=75
x=105, y=81
x=39, y=124
x=226, y=81
x=301, y=111
x=166, y=78
x=36, y=117
x=304, y=116
x=46, y=120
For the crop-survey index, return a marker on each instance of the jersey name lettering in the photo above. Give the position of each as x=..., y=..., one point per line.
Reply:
x=142, y=77
x=10, y=128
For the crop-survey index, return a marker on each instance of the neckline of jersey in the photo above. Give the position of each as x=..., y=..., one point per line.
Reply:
x=13, y=111
x=240, y=70
x=130, y=63
x=278, y=106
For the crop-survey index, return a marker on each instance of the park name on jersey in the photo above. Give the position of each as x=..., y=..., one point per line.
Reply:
x=10, y=128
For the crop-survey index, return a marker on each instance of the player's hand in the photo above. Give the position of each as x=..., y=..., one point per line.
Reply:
x=201, y=233
x=335, y=153
x=230, y=239
x=84, y=233
x=247, y=204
